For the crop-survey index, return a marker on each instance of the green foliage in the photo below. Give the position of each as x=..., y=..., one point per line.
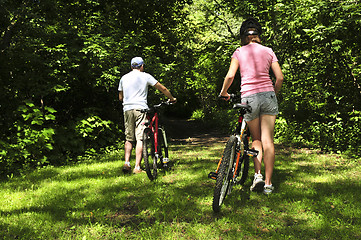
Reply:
x=69, y=56
x=320, y=56
x=33, y=138
x=198, y=115
x=94, y=131
x=92, y=127
x=213, y=43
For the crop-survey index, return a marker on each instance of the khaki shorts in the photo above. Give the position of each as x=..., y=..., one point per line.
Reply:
x=134, y=125
x=264, y=103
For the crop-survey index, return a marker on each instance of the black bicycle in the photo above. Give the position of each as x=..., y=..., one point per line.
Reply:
x=233, y=166
x=155, y=145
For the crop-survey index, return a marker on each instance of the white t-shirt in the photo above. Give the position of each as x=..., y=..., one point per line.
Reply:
x=134, y=86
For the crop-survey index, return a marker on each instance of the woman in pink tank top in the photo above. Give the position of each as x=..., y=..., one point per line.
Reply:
x=254, y=62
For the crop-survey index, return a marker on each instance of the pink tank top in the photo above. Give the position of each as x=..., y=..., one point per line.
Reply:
x=254, y=63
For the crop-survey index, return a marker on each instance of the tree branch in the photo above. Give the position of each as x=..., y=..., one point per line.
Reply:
x=223, y=20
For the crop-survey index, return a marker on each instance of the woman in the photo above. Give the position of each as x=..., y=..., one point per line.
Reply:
x=254, y=62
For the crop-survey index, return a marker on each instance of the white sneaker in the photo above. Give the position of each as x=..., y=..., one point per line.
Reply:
x=258, y=183
x=268, y=189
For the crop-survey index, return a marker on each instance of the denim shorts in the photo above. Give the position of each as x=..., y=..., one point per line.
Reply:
x=264, y=103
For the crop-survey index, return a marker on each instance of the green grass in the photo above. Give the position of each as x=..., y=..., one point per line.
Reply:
x=317, y=196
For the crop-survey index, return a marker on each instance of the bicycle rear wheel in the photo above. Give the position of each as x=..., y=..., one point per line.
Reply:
x=225, y=174
x=150, y=159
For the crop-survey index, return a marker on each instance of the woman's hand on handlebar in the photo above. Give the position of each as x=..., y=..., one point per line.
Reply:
x=225, y=96
x=172, y=101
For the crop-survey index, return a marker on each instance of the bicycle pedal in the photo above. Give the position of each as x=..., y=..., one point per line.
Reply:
x=165, y=160
x=252, y=152
x=213, y=175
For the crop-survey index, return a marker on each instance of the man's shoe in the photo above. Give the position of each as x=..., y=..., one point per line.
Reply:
x=258, y=183
x=126, y=168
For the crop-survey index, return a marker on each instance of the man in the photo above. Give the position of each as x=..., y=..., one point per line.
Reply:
x=133, y=92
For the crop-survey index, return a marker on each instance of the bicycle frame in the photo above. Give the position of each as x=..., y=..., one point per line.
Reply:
x=155, y=145
x=153, y=125
x=240, y=132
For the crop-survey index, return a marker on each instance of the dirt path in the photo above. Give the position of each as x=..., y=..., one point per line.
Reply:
x=194, y=132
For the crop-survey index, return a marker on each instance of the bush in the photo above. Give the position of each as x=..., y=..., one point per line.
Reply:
x=86, y=135
x=32, y=139
x=38, y=140
x=337, y=134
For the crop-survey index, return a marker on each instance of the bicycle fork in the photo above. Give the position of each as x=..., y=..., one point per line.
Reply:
x=156, y=129
x=165, y=158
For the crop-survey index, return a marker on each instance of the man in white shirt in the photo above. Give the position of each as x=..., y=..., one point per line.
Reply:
x=133, y=92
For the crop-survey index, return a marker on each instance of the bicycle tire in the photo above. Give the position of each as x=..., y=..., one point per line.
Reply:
x=243, y=164
x=225, y=174
x=149, y=154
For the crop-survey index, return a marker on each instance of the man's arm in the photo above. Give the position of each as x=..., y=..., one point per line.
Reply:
x=121, y=96
x=165, y=91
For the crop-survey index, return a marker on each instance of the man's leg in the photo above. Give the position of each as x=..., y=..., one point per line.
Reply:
x=139, y=126
x=138, y=154
x=129, y=135
x=128, y=146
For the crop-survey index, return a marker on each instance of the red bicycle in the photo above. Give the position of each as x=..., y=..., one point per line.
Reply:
x=155, y=145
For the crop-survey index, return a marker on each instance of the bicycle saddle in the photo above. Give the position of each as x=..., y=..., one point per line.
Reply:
x=242, y=105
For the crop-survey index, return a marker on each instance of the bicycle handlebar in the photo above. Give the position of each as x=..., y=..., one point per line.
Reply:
x=163, y=103
x=234, y=98
x=155, y=107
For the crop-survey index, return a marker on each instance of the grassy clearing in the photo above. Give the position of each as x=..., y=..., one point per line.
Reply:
x=317, y=197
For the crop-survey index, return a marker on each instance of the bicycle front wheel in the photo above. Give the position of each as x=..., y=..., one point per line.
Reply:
x=163, y=151
x=225, y=174
x=150, y=159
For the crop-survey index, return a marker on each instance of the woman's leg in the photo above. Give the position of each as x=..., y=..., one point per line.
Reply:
x=255, y=129
x=267, y=123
